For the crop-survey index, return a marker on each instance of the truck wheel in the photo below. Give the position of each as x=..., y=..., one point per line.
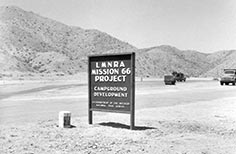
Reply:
x=221, y=83
x=233, y=83
x=226, y=83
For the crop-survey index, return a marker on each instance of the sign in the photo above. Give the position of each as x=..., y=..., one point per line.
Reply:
x=111, y=84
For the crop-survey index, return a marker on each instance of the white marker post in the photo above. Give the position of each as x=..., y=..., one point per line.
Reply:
x=64, y=119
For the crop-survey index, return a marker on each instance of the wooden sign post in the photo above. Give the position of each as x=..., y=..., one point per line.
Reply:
x=111, y=84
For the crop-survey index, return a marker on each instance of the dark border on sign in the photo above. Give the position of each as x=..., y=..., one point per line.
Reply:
x=111, y=54
x=132, y=85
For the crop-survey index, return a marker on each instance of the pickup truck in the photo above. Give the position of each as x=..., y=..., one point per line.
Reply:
x=228, y=77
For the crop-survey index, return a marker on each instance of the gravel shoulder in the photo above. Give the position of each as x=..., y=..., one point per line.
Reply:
x=201, y=127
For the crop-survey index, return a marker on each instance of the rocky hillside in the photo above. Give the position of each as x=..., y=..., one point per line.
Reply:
x=30, y=43
x=219, y=61
x=166, y=59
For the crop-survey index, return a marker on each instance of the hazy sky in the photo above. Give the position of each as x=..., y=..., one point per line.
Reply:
x=203, y=25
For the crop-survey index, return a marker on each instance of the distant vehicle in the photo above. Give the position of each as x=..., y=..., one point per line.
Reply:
x=179, y=76
x=169, y=80
x=228, y=77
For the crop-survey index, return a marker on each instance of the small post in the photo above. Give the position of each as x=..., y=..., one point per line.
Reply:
x=64, y=119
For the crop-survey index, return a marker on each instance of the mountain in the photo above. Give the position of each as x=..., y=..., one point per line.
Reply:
x=30, y=43
x=166, y=59
x=221, y=60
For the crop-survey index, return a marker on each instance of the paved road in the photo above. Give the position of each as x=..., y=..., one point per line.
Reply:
x=30, y=102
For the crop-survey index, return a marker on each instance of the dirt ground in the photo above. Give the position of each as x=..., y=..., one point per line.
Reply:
x=196, y=117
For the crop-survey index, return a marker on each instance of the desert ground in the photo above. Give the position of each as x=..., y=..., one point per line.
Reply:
x=193, y=117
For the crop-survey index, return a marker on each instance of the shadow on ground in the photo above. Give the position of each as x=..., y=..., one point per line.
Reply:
x=70, y=126
x=118, y=125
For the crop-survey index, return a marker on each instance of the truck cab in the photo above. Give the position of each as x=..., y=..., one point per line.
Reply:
x=228, y=77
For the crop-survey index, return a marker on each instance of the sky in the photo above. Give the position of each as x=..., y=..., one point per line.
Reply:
x=202, y=25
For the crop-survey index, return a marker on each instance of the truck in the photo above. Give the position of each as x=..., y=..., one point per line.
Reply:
x=180, y=77
x=169, y=80
x=228, y=77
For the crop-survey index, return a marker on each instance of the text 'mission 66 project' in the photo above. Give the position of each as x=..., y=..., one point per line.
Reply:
x=111, y=84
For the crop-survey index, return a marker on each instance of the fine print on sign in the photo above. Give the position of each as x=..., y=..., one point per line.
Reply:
x=111, y=84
